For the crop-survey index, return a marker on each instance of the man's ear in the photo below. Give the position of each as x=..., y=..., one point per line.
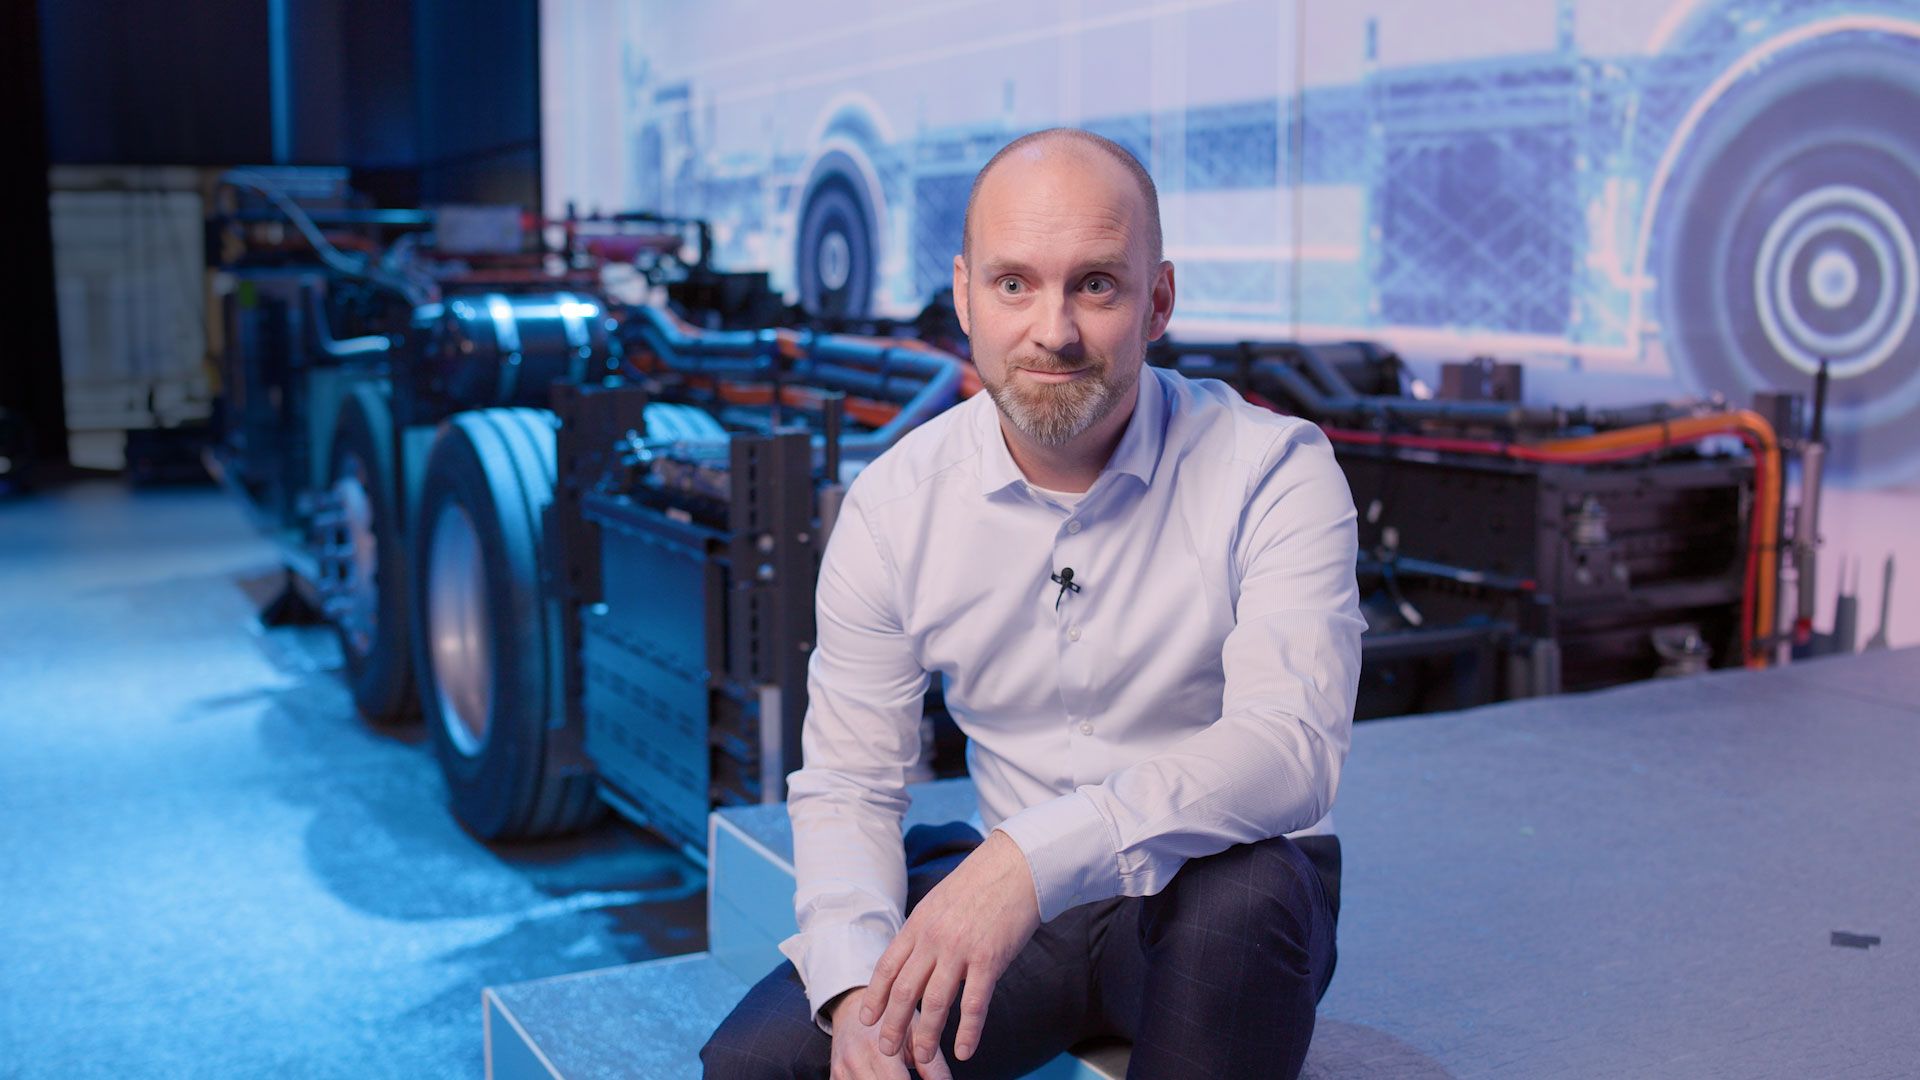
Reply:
x=960, y=281
x=1161, y=311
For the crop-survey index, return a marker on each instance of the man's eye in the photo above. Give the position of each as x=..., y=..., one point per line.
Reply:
x=1099, y=286
x=1010, y=286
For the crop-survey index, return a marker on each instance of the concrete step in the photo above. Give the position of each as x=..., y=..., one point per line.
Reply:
x=649, y=1020
x=641, y=1021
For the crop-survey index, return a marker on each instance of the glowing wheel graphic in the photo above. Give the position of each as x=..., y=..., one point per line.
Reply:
x=1791, y=234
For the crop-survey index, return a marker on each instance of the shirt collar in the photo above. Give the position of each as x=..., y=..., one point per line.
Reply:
x=1137, y=455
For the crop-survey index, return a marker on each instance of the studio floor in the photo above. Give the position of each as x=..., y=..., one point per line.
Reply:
x=209, y=866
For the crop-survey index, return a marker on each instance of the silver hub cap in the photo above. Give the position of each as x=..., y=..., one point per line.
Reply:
x=357, y=609
x=836, y=261
x=457, y=627
x=1837, y=278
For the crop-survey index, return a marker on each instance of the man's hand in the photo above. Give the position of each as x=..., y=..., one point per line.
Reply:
x=964, y=934
x=856, y=1048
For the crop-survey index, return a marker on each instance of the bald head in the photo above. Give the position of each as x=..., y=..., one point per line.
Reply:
x=1097, y=151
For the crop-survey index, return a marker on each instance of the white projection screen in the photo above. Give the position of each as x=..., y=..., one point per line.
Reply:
x=1636, y=198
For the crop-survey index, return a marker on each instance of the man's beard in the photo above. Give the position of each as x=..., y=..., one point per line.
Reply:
x=1054, y=414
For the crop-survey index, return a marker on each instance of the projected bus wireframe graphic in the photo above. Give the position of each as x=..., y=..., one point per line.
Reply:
x=1720, y=193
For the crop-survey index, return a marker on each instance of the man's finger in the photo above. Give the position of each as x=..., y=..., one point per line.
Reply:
x=904, y=999
x=874, y=998
x=935, y=1069
x=973, y=1010
x=935, y=1002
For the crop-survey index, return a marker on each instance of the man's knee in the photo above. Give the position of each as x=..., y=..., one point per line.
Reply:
x=1264, y=894
x=739, y=1048
x=770, y=1035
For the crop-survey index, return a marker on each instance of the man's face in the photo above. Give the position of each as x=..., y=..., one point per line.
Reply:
x=1060, y=294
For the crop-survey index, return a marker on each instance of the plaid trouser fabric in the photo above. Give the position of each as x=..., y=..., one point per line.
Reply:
x=1215, y=977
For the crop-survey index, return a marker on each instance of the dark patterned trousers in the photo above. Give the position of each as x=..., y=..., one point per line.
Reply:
x=1216, y=976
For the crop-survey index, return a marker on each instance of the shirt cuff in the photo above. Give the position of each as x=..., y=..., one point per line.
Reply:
x=1069, y=851
x=831, y=960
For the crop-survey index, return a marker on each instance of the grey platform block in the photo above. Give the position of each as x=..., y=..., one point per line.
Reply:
x=641, y=1020
x=1643, y=882
x=647, y=1022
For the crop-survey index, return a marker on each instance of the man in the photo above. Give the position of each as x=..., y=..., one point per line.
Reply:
x=1140, y=592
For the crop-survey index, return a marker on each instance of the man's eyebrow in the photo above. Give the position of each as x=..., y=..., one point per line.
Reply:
x=1113, y=264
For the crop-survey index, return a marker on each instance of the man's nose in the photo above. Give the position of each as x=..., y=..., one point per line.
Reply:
x=1054, y=327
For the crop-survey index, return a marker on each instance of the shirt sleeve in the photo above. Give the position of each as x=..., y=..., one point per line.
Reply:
x=861, y=737
x=1270, y=765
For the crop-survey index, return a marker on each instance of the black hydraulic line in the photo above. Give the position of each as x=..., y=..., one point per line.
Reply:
x=703, y=231
x=894, y=388
x=664, y=337
x=1263, y=376
x=1406, y=565
x=1294, y=385
x=879, y=356
x=1636, y=415
x=1818, y=433
x=935, y=395
x=1806, y=523
x=1336, y=384
x=340, y=217
x=1438, y=641
x=1267, y=373
x=1478, y=412
x=924, y=386
x=898, y=390
x=417, y=292
x=341, y=348
x=834, y=410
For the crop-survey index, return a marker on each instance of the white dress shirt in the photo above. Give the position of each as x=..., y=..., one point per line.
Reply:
x=1196, y=693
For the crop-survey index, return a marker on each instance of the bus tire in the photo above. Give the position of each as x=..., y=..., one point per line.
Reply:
x=835, y=251
x=489, y=660
x=367, y=590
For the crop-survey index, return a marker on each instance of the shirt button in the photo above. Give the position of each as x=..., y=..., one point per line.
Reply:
x=1073, y=633
x=1073, y=526
x=1086, y=727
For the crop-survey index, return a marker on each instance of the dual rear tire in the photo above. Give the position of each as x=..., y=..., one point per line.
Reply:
x=488, y=650
x=459, y=616
x=367, y=598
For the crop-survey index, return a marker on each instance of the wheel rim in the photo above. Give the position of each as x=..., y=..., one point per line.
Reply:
x=835, y=263
x=457, y=630
x=358, y=616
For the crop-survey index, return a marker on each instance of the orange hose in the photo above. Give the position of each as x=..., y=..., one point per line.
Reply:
x=865, y=410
